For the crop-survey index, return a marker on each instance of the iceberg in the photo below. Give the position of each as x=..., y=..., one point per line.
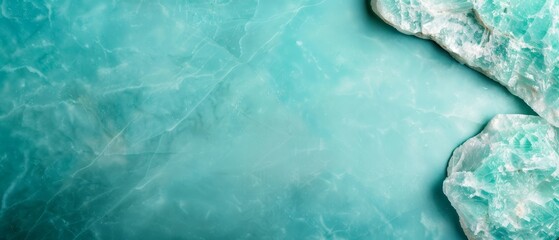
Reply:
x=513, y=42
x=504, y=182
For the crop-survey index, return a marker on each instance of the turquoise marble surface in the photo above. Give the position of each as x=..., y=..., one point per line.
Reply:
x=228, y=120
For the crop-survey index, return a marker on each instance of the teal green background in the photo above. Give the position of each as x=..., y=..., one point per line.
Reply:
x=253, y=119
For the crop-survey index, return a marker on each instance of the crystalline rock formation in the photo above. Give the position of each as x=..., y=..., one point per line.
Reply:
x=514, y=42
x=504, y=182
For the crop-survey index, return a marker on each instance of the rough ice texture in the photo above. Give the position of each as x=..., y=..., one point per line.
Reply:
x=504, y=182
x=512, y=41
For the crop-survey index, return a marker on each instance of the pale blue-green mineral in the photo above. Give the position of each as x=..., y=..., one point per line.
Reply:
x=512, y=41
x=504, y=182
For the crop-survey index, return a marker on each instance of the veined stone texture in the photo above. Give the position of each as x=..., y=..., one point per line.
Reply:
x=248, y=119
x=504, y=182
x=512, y=41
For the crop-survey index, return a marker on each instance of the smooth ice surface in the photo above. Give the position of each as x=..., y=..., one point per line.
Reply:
x=515, y=42
x=504, y=182
x=294, y=119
